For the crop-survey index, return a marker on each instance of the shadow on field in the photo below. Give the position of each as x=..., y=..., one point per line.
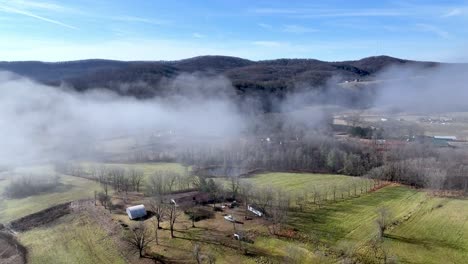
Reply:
x=428, y=244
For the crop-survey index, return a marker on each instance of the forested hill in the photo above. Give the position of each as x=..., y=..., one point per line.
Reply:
x=144, y=79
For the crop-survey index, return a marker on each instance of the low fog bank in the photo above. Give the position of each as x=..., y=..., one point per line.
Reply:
x=42, y=123
x=443, y=88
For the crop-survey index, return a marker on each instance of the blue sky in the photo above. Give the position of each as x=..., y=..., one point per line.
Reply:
x=167, y=30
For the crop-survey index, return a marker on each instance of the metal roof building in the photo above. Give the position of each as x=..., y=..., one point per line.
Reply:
x=137, y=211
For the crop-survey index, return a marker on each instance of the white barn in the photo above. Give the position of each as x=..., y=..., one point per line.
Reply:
x=137, y=211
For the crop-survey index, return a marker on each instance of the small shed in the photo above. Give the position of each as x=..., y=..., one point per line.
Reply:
x=254, y=210
x=137, y=211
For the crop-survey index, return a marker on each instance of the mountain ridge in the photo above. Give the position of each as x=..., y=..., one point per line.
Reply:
x=265, y=80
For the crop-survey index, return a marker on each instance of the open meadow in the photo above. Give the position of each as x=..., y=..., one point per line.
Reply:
x=73, y=238
x=424, y=228
x=69, y=189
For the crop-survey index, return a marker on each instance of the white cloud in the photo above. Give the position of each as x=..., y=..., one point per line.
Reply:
x=298, y=29
x=268, y=44
x=456, y=12
x=265, y=26
x=309, y=12
x=433, y=29
x=36, y=5
x=198, y=35
x=12, y=10
x=135, y=19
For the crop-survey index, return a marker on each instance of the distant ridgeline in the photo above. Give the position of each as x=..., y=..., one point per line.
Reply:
x=266, y=81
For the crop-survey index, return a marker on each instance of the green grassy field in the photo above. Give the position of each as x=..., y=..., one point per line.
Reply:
x=73, y=239
x=427, y=233
x=353, y=220
x=437, y=233
x=429, y=229
x=147, y=168
x=300, y=181
x=326, y=186
x=72, y=188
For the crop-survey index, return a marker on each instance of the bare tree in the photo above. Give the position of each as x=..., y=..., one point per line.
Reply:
x=234, y=184
x=139, y=237
x=384, y=219
x=156, y=184
x=435, y=178
x=159, y=211
x=264, y=198
x=136, y=178
x=172, y=213
x=245, y=191
x=104, y=199
x=126, y=184
x=103, y=178
x=278, y=212
x=170, y=180
x=197, y=253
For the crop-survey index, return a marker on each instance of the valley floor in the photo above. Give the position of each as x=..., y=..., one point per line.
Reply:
x=425, y=229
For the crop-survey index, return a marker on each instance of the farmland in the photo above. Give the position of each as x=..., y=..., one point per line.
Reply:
x=295, y=183
x=70, y=189
x=148, y=169
x=71, y=239
x=325, y=232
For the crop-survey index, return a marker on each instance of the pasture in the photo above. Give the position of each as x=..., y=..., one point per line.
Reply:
x=73, y=238
x=299, y=183
x=148, y=170
x=426, y=229
x=70, y=189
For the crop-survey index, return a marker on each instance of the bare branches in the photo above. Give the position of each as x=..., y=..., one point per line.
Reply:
x=136, y=178
x=172, y=213
x=139, y=237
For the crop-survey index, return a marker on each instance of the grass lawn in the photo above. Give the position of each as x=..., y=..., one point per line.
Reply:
x=72, y=188
x=73, y=239
x=432, y=230
x=322, y=185
x=437, y=233
x=353, y=220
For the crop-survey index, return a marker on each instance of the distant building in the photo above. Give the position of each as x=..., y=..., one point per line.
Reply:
x=437, y=141
x=254, y=210
x=135, y=212
x=447, y=138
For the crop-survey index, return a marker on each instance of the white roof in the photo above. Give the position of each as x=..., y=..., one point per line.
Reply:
x=136, y=211
x=446, y=137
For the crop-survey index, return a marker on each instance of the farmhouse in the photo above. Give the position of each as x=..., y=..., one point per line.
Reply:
x=252, y=209
x=137, y=211
x=190, y=198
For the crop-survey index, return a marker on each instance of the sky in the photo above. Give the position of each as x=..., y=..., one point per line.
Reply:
x=332, y=30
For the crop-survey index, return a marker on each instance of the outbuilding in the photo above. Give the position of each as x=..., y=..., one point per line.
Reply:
x=254, y=210
x=135, y=212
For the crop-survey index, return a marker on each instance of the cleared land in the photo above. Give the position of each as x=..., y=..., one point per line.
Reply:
x=72, y=188
x=148, y=169
x=296, y=183
x=423, y=233
x=72, y=239
x=436, y=233
x=427, y=229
